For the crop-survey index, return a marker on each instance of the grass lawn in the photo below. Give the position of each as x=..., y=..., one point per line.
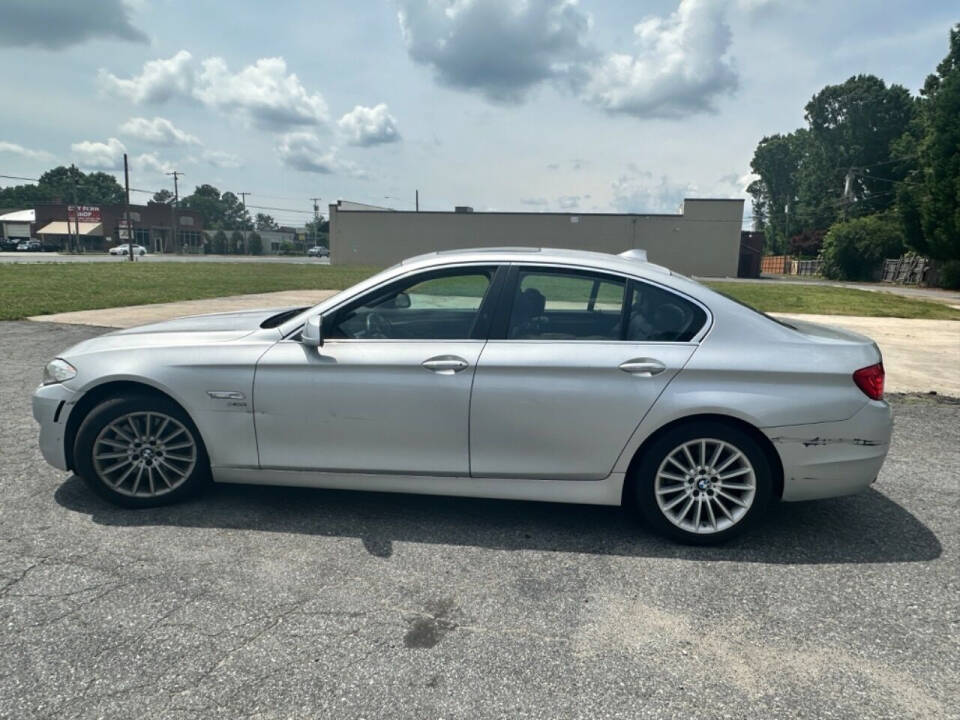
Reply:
x=42, y=288
x=826, y=300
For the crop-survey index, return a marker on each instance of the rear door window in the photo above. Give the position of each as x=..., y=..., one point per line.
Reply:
x=566, y=305
x=658, y=315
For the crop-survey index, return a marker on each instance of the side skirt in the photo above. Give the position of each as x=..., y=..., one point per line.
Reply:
x=588, y=492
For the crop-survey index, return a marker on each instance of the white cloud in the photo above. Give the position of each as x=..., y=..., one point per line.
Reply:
x=57, y=24
x=14, y=149
x=158, y=131
x=568, y=202
x=534, y=201
x=265, y=93
x=680, y=67
x=498, y=47
x=642, y=192
x=159, y=81
x=268, y=95
x=304, y=151
x=366, y=126
x=221, y=159
x=98, y=155
x=150, y=163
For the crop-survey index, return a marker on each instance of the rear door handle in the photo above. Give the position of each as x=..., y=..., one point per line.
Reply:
x=445, y=364
x=643, y=367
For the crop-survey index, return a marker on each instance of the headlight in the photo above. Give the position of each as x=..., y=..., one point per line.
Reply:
x=58, y=371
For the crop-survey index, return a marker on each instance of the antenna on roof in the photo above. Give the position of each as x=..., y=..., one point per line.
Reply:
x=635, y=254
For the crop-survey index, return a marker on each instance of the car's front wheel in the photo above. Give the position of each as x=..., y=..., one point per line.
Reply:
x=703, y=482
x=141, y=451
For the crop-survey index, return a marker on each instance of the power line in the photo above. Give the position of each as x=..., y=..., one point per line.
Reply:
x=280, y=209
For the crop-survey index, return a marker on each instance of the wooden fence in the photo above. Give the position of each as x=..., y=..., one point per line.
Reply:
x=786, y=265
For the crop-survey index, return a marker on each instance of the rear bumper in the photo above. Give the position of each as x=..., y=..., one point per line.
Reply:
x=51, y=408
x=826, y=460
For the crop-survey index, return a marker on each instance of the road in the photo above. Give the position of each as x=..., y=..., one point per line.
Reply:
x=25, y=257
x=277, y=603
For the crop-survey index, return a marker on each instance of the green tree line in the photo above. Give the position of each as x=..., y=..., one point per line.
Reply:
x=874, y=173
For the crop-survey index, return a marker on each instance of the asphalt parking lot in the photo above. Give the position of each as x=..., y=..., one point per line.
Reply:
x=276, y=603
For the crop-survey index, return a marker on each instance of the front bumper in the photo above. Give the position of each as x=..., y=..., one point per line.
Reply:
x=826, y=460
x=51, y=408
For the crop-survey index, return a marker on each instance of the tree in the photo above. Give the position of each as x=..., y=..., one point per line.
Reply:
x=265, y=222
x=852, y=129
x=255, y=243
x=318, y=232
x=224, y=212
x=777, y=161
x=96, y=188
x=219, y=244
x=25, y=195
x=66, y=184
x=235, y=215
x=855, y=249
x=930, y=200
x=161, y=197
x=843, y=164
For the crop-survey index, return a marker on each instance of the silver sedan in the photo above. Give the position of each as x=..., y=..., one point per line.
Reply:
x=519, y=373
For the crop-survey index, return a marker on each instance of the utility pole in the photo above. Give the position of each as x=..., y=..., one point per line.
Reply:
x=246, y=235
x=416, y=201
x=316, y=219
x=786, y=227
x=176, y=203
x=76, y=211
x=126, y=209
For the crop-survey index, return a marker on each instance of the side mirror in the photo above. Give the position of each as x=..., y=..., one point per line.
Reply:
x=312, y=334
x=401, y=301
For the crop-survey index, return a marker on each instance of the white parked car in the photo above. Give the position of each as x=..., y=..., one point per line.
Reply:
x=318, y=251
x=125, y=249
x=531, y=374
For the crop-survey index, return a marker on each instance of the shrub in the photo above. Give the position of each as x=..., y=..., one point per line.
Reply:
x=950, y=275
x=236, y=243
x=807, y=243
x=218, y=245
x=255, y=244
x=855, y=249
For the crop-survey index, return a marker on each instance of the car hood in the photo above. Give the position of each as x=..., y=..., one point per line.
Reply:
x=228, y=322
x=189, y=330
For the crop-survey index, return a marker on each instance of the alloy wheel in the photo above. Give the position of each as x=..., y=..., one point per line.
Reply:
x=144, y=454
x=705, y=486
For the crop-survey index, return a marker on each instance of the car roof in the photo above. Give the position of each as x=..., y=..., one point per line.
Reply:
x=629, y=262
x=631, y=265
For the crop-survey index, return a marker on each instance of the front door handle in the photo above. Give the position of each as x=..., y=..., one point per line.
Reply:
x=445, y=364
x=643, y=367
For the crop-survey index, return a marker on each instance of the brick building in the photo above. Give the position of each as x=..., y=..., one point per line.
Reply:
x=56, y=225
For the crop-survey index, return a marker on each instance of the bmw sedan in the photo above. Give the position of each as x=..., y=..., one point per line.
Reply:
x=518, y=373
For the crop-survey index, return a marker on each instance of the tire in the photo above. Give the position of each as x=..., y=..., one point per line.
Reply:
x=141, y=451
x=733, y=488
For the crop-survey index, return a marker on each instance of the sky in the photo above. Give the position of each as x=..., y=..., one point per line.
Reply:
x=510, y=105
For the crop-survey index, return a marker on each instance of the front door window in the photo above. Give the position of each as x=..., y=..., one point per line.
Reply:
x=437, y=307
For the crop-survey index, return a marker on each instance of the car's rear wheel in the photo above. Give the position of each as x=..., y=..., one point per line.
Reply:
x=141, y=451
x=703, y=482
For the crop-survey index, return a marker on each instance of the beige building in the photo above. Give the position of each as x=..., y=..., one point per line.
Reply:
x=703, y=239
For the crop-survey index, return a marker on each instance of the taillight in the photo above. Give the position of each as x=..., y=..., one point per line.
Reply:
x=870, y=380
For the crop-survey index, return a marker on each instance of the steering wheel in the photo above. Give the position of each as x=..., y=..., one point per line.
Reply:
x=377, y=326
